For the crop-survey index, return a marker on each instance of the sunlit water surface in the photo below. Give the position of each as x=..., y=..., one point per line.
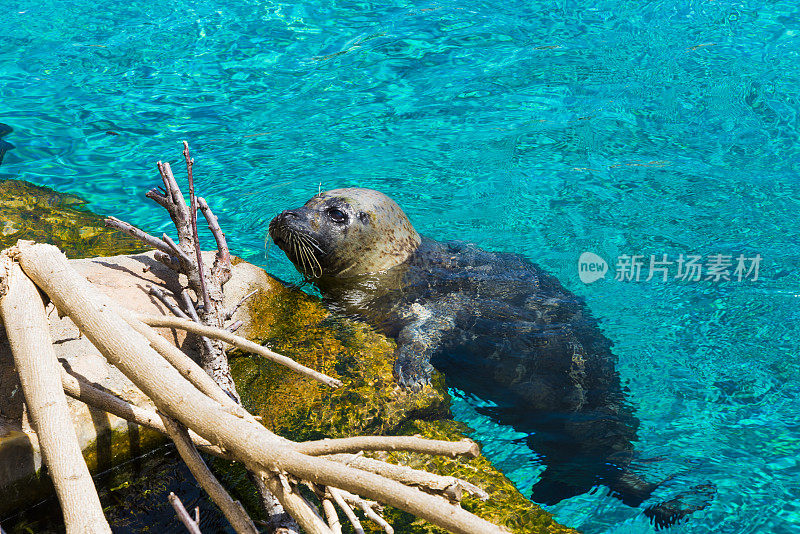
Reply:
x=549, y=128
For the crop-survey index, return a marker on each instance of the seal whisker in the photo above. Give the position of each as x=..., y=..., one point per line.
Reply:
x=308, y=244
x=313, y=262
x=306, y=257
x=298, y=258
x=312, y=242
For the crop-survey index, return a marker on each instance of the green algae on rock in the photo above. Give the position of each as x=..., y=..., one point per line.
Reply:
x=370, y=402
x=40, y=214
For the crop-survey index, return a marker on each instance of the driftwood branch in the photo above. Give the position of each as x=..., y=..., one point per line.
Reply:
x=232, y=510
x=370, y=509
x=347, y=509
x=356, y=444
x=223, y=254
x=142, y=236
x=28, y=333
x=331, y=516
x=162, y=297
x=294, y=503
x=193, y=221
x=191, y=524
x=239, y=342
x=451, y=487
x=229, y=313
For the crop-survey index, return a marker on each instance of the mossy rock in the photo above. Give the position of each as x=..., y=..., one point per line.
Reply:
x=370, y=402
x=295, y=324
x=40, y=214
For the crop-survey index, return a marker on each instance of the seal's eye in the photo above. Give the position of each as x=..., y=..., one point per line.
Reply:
x=337, y=216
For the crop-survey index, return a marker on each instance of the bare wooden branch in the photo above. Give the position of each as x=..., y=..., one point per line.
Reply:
x=160, y=197
x=240, y=342
x=233, y=327
x=348, y=511
x=209, y=347
x=195, y=233
x=390, y=443
x=229, y=313
x=278, y=520
x=190, y=307
x=177, y=210
x=307, y=517
x=331, y=516
x=223, y=260
x=161, y=296
x=176, y=250
x=142, y=236
x=232, y=510
x=169, y=261
x=450, y=487
x=372, y=515
x=370, y=509
x=23, y=315
x=192, y=525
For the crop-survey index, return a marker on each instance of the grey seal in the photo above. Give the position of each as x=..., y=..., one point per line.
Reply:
x=495, y=324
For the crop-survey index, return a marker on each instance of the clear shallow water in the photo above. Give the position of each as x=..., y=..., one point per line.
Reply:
x=548, y=128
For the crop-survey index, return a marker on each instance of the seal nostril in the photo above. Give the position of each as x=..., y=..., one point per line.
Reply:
x=289, y=214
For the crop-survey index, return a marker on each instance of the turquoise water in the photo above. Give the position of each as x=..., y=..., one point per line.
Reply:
x=549, y=128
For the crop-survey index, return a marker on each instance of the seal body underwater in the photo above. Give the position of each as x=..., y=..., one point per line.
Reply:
x=495, y=324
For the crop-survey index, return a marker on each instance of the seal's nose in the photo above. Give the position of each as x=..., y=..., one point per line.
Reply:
x=290, y=214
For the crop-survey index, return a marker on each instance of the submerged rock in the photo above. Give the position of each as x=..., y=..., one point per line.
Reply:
x=40, y=214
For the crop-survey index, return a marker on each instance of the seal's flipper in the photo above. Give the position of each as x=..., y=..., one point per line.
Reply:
x=416, y=344
x=667, y=513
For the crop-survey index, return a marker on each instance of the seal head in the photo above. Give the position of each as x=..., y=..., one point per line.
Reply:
x=345, y=233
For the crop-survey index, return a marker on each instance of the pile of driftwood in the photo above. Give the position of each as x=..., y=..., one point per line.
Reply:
x=198, y=407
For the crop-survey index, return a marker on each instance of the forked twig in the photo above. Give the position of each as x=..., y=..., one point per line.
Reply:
x=192, y=525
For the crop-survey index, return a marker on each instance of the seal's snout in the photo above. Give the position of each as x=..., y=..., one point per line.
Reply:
x=284, y=222
x=287, y=218
x=290, y=231
x=288, y=214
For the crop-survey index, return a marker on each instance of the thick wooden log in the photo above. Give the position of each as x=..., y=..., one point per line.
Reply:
x=28, y=332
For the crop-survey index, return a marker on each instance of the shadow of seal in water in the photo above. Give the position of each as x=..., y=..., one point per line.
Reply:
x=495, y=324
x=5, y=146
